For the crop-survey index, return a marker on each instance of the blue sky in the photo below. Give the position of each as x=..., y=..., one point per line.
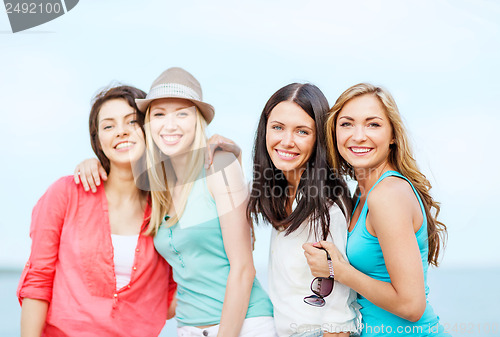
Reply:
x=438, y=58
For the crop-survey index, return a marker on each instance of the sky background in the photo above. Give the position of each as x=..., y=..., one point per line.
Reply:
x=440, y=60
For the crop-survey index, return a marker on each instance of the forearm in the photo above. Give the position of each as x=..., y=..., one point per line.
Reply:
x=236, y=299
x=33, y=315
x=382, y=294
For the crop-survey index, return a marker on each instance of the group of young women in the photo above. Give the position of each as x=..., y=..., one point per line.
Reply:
x=166, y=235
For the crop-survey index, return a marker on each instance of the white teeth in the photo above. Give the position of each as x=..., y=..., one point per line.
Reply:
x=285, y=154
x=171, y=138
x=358, y=150
x=122, y=145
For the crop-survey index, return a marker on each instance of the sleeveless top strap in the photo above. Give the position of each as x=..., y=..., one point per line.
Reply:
x=364, y=211
x=384, y=175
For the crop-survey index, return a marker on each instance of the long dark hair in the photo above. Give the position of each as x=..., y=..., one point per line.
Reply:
x=319, y=185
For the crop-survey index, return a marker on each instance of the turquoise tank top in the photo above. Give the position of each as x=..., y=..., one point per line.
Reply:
x=365, y=254
x=195, y=250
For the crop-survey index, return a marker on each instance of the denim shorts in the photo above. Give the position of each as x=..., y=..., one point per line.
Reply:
x=255, y=326
x=312, y=333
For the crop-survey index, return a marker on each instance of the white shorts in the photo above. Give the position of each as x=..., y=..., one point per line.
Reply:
x=252, y=327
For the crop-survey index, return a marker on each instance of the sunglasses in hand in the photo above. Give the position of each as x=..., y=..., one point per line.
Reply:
x=321, y=286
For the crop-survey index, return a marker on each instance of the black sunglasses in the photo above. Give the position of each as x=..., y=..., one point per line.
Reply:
x=321, y=286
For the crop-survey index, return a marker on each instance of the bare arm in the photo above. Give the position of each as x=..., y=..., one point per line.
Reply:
x=394, y=214
x=230, y=194
x=33, y=315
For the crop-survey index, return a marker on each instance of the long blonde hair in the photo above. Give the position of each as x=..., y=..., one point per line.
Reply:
x=400, y=156
x=162, y=176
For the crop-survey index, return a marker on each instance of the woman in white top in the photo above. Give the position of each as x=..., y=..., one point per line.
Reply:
x=295, y=190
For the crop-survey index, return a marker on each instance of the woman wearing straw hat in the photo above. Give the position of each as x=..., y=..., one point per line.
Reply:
x=198, y=217
x=91, y=258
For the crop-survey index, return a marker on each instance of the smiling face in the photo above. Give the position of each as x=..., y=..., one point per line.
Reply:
x=290, y=139
x=120, y=137
x=172, y=124
x=364, y=133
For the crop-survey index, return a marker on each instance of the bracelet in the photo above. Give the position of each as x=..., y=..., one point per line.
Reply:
x=330, y=265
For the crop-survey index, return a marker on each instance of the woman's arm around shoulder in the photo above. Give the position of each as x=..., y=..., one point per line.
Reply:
x=89, y=173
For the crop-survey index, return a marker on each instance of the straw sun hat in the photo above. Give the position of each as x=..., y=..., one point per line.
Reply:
x=177, y=83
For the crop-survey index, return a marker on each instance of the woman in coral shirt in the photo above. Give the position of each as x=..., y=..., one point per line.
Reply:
x=92, y=269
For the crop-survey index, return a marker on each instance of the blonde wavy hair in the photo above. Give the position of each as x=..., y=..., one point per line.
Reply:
x=162, y=177
x=400, y=156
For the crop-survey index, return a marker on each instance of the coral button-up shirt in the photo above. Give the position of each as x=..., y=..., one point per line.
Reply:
x=71, y=266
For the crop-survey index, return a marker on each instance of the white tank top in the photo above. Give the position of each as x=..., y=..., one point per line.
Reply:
x=124, y=254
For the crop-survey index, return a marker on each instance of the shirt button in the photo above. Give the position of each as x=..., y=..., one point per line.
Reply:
x=205, y=333
x=115, y=295
x=128, y=286
x=137, y=249
x=135, y=268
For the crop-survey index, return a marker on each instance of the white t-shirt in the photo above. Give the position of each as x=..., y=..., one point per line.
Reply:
x=290, y=281
x=124, y=254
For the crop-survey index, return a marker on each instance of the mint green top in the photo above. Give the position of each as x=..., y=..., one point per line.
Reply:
x=195, y=250
x=365, y=254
